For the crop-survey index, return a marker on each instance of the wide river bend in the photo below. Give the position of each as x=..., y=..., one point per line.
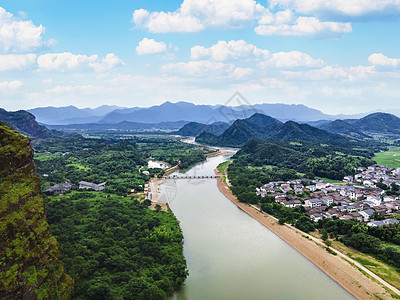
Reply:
x=232, y=256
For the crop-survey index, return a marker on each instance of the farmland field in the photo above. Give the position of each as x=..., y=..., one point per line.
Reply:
x=389, y=158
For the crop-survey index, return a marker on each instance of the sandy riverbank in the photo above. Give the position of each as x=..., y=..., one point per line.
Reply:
x=341, y=271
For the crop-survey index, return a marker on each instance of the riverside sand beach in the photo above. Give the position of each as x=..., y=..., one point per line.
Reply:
x=345, y=273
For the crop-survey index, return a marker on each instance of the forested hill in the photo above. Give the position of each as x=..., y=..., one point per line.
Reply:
x=311, y=160
x=344, y=128
x=266, y=128
x=376, y=123
x=29, y=263
x=381, y=122
x=25, y=123
x=194, y=128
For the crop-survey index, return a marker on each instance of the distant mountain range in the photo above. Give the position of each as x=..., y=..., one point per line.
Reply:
x=381, y=124
x=180, y=111
x=71, y=114
x=266, y=128
x=25, y=123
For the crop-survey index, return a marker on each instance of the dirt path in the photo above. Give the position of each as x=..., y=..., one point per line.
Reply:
x=340, y=268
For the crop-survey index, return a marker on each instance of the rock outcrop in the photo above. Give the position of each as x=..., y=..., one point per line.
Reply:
x=29, y=256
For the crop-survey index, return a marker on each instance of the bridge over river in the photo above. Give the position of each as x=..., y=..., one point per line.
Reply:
x=192, y=176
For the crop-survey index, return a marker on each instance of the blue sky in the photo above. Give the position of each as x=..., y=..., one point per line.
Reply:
x=339, y=56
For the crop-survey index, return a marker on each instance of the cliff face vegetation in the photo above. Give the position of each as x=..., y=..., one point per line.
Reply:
x=29, y=256
x=25, y=123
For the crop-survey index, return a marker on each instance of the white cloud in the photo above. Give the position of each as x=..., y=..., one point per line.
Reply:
x=19, y=36
x=241, y=50
x=304, y=26
x=280, y=17
x=200, y=68
x=16, y=61
x=47, y=81
x=222, y=51
x=273, y=83
x=378, y=59
x=209, y=70
x=105, y=64
x=197, y=15
x=293, y=59
x=150, y=46
x=67, y=61
x=10, y=85
x=63, y=61
x=331, y=73
x=349, y=8
x=242, y=73
x=68, y=89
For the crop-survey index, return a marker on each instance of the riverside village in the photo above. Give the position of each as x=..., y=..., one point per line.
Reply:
x=366, y=196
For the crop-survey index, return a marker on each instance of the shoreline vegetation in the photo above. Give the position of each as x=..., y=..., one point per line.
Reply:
x=349, y=274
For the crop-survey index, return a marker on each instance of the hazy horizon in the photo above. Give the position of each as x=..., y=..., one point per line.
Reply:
x=126, y=107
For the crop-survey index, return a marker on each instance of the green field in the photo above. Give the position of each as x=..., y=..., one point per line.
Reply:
x=389, y=158
x=329, y=180
x=222, y=167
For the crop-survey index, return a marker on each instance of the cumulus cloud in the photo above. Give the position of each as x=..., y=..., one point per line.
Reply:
x=67, y=89
x=302, y=26
x=242, y=73
x=67, y=61
x=331, y=73
x=105, y=64
x=241, y=50
x=282, y=19
x=10, y=85
x=273, y=83
x=10, y=62
x=344, y=8
x=292, y=59
x=197, y=15
x=378, y=59
x=150, y=46
x=18, y=36
x=222, y=51
x=63, y=61
x=200, y=68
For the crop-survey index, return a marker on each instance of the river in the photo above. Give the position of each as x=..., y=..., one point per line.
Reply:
x=232, y=256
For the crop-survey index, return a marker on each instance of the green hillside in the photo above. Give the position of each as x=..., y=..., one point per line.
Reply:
x=29, y=263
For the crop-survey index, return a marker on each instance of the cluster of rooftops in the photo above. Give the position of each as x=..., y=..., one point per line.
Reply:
x=68, y=186
x=351, y=199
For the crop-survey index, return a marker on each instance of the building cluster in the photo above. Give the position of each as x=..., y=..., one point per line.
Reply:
x=374, y=174
x=59, y=189
x=357, y=198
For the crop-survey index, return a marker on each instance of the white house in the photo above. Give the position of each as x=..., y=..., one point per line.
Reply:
x=376, y=200
x=366, y=214
x=91, y=186
x=348, y=178
x=313, y=203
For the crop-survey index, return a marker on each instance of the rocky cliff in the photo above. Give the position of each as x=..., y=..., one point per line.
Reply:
x=29, y=256
x=25, y=123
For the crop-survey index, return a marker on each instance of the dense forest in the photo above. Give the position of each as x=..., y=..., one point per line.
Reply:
x=309, y=159
x=117, y=162
x=115, y=247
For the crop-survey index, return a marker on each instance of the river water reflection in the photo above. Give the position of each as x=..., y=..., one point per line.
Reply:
x=232, y=256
